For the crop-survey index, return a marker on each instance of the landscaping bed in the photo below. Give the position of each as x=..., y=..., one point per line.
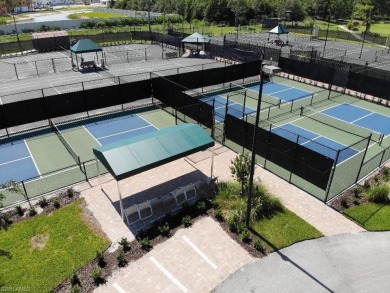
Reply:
x=368, y=204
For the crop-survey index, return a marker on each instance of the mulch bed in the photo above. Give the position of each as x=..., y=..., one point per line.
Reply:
x=355, y=195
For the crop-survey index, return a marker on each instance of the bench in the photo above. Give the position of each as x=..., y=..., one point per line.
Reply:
x=170, y=55
x=88, y=64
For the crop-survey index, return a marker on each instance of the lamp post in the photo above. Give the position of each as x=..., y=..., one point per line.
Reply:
x=265, y=69
x=326, y=37
x=365, y=33
x=150, y=30
x=16, y=30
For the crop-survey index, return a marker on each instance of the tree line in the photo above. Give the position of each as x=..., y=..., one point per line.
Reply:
x=243, y=12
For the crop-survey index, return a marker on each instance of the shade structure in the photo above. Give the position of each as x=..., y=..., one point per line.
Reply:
x=197, y=38
x=85, y=46
x=279, y=30
x=141, y=153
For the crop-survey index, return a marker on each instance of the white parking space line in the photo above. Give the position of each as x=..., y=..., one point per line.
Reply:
x=168, y=274
x=198, y=251
x=118, y=288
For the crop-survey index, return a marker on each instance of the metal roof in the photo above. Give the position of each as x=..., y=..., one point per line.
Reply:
x=131, y=156
x=85, y=46
x=196, y=38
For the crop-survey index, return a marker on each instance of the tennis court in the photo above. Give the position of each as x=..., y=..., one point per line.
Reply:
x=282, y=92
x=361, y=117
x=65, y=145
x=314, y=141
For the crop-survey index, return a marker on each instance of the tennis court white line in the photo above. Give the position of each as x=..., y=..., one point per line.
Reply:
x=168, y=274
x=270, y=94
x=102, y=137
x=9, y=162
x=35, y=164
x=58, y=92
x=353, y=122
x=147, y=121
x=119, y=288
x=198, y=251
x=86, y=129
x=29, y=63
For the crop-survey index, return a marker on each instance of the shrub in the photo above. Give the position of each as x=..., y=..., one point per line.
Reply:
x=218, y=215
x=233, y=222
x=100, y=259
x=32, y=211
x=164, y=229
x=186, y=221
x=42, y=202
x=97, y=276
x=125, y=244
x=19, y=210
x=145, y=242
x=356, y=201
x=70, y=192
x=246, y=235
x=357, y=191
x=386, y=173
x=355, y=23
x=122, y=262
x=74, y=279
x=56, y=204
x=366, y=184
x=259, y=245
x=76, y=289
x=344, y=202
x=6, y=220
x=379, y=194
x=201, y=206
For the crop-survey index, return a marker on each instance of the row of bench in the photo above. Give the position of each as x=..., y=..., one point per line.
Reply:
x=155, y=209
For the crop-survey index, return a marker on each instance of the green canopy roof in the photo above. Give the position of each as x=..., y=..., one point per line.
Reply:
x=85, y=46
x=135, y=155
x=279, y=30
x=196, y=38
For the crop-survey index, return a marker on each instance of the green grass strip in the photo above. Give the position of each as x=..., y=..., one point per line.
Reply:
x=372, y=216
x=67, y=243
x=285, y=229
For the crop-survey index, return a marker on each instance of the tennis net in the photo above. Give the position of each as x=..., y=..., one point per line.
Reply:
x=252, y=91
x=341, y=125
x=68, y=147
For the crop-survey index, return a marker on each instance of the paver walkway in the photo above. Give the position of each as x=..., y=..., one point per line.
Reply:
x=196, y=259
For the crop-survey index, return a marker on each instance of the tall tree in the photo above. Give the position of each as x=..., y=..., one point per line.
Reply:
x=296, y=10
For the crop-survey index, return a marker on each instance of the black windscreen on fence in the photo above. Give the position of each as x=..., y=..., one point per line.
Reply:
x=33, y=110
x=66, y=104
x=134, y=91
x=295, y=158
x=102, y=97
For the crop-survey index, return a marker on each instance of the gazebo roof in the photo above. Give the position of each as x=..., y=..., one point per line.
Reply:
x=85, y=46
x=279, y=30
x=197, y=38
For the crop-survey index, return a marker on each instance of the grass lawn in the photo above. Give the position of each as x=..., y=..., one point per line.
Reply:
x=372, y=216
x=280, y=230
x=48, y=249
x=95, y=15
x=285, y=229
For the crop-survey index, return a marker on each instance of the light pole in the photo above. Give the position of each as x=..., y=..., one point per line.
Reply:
x=265, y=69
x=150, y=30
x=16, y=30
x=326, y=37
x=365, y=33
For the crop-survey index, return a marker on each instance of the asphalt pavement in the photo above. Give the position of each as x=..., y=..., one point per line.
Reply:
x=341, y=263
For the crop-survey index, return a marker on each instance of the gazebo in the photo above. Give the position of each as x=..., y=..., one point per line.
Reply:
x=129, y=157
x=197, y=39
x=85, y=46
x=279, y=30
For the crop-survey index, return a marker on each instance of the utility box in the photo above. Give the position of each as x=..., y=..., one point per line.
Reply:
x=51, y=41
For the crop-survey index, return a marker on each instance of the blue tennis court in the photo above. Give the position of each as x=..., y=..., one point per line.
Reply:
x=16, y=162
x=315, y=142
x=282, y=92
x=361, y=117
x=108, y=131
x=235, y=109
